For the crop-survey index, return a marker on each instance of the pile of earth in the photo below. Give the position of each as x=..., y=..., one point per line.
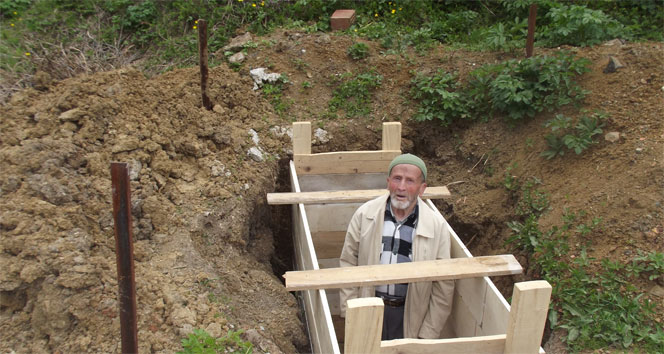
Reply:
x=206, y=244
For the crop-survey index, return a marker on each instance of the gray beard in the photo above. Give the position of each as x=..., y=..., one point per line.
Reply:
x=399, y=205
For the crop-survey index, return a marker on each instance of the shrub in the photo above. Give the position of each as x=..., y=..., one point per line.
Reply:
x=358, y=51
x=580, y=26
x=439, y=97
x=523, y=88
x=579, y=139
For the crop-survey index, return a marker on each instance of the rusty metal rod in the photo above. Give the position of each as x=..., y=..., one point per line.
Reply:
x=530, y=40
x=124, y=255
x=203, y=62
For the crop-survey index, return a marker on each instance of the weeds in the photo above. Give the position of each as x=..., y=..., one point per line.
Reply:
x=353, y=94
x=358, y=50
x=439, y=97
x=598, y=309
x=202, y=342
x=578, y=139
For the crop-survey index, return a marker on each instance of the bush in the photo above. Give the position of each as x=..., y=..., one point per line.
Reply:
x=439, y=97
x=358, y=51
x=523, y=88
x=578, y=139
x=579, y=26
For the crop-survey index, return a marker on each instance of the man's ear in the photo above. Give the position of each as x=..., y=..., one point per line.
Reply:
x=422, y=188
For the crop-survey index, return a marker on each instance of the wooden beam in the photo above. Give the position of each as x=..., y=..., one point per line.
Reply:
x=467, y=345
x=371, y=275
x=530, y=305
x=364, y=326
x=391, y=136
x=301, y=138
x=345, y=162
x=349, y=196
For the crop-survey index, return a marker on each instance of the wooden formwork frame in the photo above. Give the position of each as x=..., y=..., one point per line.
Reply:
x=320, y=218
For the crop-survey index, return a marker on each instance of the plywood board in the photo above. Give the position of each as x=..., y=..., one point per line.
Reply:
x=346, y=196
x=328, y=244
x=473, y=345
x=345, y=162
x=496, y=311
x=371, y=275
x=343, y=181
x=471, y=294
x=330, y=217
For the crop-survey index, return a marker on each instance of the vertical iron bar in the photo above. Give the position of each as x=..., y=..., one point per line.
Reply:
x=203, y=62
x=530, y=40
x=124, y=253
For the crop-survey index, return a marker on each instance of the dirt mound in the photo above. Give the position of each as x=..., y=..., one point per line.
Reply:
x=196, y=196
x=204, y=236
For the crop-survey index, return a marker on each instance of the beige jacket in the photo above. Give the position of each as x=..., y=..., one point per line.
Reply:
x=428, y=304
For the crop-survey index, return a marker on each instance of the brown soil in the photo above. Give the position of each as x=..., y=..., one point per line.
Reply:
x=205, y=239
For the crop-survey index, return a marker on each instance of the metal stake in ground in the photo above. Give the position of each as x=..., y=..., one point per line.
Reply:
x=124, y=255
x=203, y=62
x=530, y=40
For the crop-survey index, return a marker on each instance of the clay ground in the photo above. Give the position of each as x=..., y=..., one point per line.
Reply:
x=207, y=246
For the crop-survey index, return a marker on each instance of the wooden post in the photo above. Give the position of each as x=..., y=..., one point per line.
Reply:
x=530, y=40
x=391, y=136
x=364, y=326
x=301, y=138
x=203, y=62
x=530, y=305
x=124, y=253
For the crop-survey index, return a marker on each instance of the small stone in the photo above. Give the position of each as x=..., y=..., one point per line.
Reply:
x=321, y=136
x=135, y=168
x=639, y=150
x=238, y=42
x=236, y=58
x=214, y=329
x=657, y=291
x=254, y=136
x=613, y=65
x=256, y=154
x=218, y=109
x=72, y=115
x=612, y=137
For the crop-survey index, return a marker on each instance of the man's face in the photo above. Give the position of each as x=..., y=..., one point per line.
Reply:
x=405, y=185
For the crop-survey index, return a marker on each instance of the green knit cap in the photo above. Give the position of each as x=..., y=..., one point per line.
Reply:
x=409, y=159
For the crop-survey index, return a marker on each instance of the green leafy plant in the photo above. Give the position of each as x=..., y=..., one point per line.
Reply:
x=353, y=94
x=579, y=139
x=579, y=25
x=358, y=50
x=274, y=93
x=201, y=342
x=438, y=97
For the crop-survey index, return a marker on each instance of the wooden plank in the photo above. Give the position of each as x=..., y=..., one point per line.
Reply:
x=391, y=136
x=346, y=196
x=345, y=162
x=364, y=325
x=329, y=244
x=301, y=138
x=470, y=345
x=530, y=305
x=371, y=275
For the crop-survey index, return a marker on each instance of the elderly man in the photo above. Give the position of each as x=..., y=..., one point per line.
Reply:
x=397, y=228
